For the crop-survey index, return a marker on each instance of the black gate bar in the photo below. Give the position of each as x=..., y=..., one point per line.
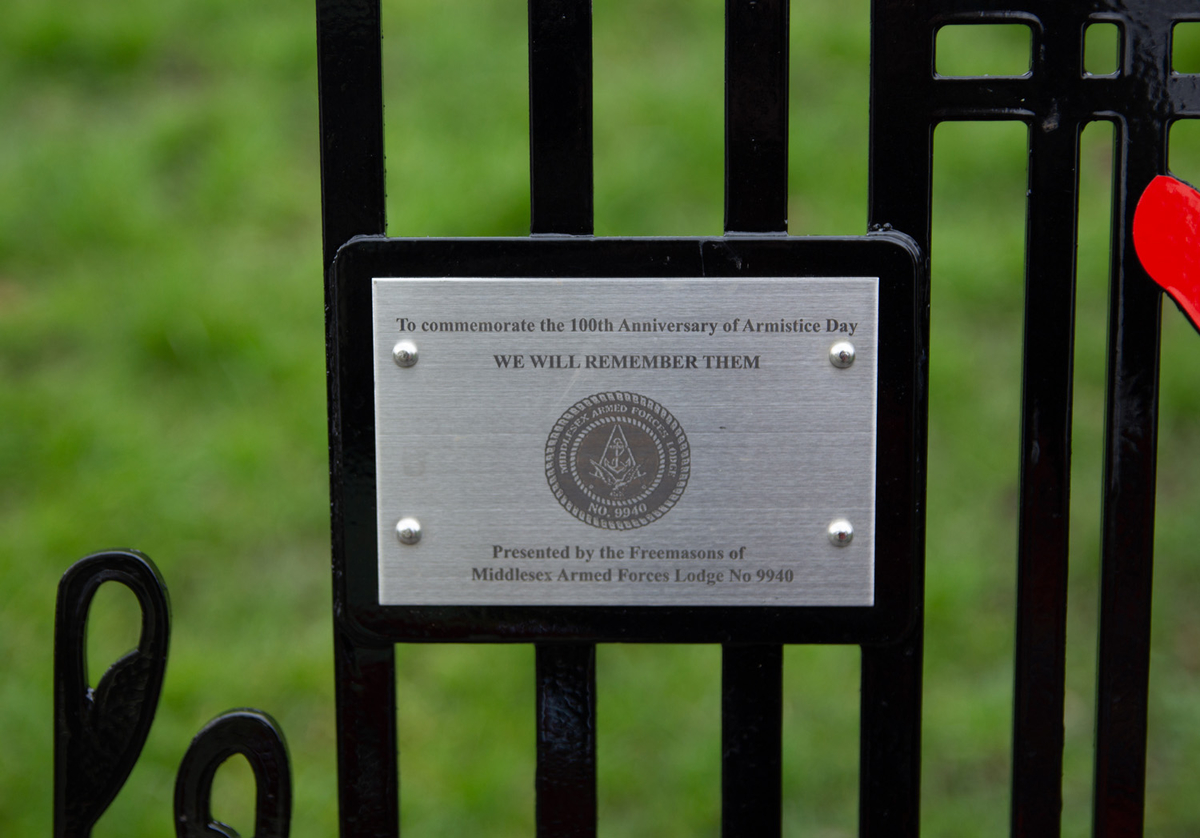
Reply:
x=900, y=183
x=756, y=191
x=561, y=203
x=350, y=85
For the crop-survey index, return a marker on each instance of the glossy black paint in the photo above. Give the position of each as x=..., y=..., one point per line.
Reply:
x=560, y=117
x=99, y=733
x=756, y=192
x=561, y=202
x=751, y=740
x=900, y=177
x=1131, y=432
x=350, y=86
x=756, y=116
x=353, y=202
x=368, y=767
x=566, y=739
x=257, y=737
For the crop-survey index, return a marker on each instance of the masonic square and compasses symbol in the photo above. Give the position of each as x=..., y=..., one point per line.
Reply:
x=617, y=468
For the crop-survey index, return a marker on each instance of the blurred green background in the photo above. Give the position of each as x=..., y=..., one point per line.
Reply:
x=161, y=349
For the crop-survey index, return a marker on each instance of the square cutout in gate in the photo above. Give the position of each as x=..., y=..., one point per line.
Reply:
x=1185, y=47
x=1183, y=150
x=1102, y=49
x=983, y=49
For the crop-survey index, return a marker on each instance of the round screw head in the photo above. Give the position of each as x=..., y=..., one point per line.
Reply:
x=840, y=532
x=408, y=530
x=404, y=353
x=841, y=354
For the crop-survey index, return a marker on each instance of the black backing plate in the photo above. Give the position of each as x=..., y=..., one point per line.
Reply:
x=901, y=407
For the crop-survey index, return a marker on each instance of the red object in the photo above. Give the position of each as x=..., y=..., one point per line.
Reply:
x=1166, y=235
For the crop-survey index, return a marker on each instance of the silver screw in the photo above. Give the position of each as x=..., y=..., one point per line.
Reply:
x=841, y=354
x=840, y=532
x=408, y=530
x=404, y=353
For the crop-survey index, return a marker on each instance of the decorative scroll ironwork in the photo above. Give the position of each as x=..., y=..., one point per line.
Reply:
x=99, y=733
x=257, y=737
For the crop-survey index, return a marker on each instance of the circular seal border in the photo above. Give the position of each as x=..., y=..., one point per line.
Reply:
x=563, y=427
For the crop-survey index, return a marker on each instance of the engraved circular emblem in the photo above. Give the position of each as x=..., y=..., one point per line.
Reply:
x=617, y=460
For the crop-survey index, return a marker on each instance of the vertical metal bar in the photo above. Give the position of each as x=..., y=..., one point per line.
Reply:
x=350, y=95
x=756, y=116
x=1051, y=233
x=560, y=117
x=1131, y=446
x=756, y=189
x=368, y=771
x=1131, y=443
x=1045, y=499
x=751, y=740
x=890, y=739
x=561, y=202
x=566, y=740
x=900, y=188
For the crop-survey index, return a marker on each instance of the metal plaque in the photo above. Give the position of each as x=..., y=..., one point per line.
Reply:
x=626, y=442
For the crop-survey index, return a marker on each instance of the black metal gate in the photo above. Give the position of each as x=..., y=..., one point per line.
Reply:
x=1055, y=99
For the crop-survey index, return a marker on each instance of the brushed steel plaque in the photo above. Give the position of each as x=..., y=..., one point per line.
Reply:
x=625, y=441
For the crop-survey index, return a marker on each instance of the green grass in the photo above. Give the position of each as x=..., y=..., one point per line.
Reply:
x=161, y=349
